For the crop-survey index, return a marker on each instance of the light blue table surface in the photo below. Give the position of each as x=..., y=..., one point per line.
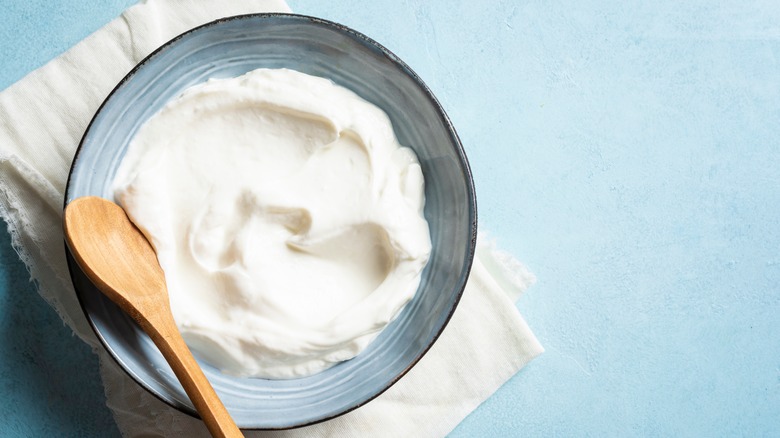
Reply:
x=628, y=152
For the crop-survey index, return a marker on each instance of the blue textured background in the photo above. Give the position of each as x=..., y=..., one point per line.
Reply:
x=628, y=152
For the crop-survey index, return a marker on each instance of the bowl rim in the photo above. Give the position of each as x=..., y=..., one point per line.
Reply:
x=359, y=38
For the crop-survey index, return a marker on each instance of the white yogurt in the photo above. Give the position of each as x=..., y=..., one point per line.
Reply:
x=286, y=216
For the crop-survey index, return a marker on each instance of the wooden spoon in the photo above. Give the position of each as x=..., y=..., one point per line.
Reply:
x=118, y=259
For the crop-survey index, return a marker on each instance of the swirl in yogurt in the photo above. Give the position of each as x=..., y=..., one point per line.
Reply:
x=286, y=216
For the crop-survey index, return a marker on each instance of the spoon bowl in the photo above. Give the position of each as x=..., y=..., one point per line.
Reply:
x=117, y=258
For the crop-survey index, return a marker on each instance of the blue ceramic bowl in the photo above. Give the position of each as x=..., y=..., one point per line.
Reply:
x=231, y=47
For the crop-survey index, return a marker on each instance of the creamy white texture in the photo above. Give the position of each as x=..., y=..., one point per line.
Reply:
x=286, y=216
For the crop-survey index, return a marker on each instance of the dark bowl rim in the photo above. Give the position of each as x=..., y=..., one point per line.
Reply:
x=362, y=39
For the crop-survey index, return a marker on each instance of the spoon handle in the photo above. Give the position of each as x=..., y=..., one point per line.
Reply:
x=166, y=336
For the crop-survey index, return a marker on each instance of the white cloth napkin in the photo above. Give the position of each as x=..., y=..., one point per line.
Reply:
x=42, y=119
